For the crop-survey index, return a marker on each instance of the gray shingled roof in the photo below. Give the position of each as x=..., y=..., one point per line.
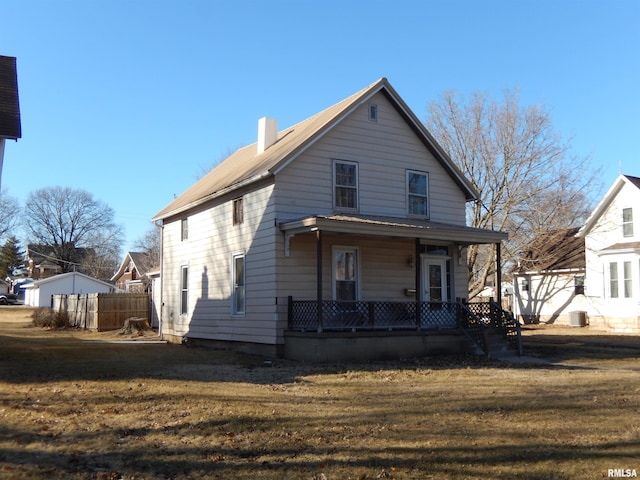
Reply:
x=246, y=165
x=10, y=126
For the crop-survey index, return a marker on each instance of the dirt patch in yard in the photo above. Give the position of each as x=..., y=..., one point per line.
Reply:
x=78, y=405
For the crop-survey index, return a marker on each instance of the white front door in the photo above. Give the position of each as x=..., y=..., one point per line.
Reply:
x=434, y=279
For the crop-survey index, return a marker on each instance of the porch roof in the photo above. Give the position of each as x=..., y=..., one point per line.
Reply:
x=392, y=227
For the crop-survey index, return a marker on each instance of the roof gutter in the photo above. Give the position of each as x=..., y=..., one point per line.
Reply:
x=212, y=196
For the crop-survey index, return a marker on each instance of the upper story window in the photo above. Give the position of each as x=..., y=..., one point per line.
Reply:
x=345, y=182
x=184, y=229
x=418, y=193
x=627, y=222
x=238, y=211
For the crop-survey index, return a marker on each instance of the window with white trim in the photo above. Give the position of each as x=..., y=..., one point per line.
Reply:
x=627, y=222
x=627, y=279
x=184, y=289
x=417, y=193
x=238, y=211
x=613, y=280
x=345, y=274
x=238, y=279
x=345, y=183
x=184, y=229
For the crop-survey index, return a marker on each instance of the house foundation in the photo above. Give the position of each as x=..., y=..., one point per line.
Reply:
x=330, y=347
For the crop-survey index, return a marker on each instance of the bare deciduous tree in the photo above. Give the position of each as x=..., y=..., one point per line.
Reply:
x=150, y=244
x=9, y=215
x=70, y=221
x=519, y=164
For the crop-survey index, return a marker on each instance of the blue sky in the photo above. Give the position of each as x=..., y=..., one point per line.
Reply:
x=134, y=100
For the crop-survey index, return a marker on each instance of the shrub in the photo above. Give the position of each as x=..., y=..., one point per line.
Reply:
x=47, y=318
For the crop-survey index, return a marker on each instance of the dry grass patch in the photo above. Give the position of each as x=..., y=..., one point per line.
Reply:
x=77, y=410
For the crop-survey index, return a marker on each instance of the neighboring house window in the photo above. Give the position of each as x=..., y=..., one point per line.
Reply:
x=524, y=285
x=627, y=222
x=238, y=211
x=345, y=274
x=184, y=229
x=578, y=284
x=184, y=289
x=613, y=280
x=373, y=112
x=345, y=180
x=238, y=284
x=418, y=193
x=628, y=282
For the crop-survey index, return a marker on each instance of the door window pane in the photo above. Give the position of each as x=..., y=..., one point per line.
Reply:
x=345, y=275
x=435, y=283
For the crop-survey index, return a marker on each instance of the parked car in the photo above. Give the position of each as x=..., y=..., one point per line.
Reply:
x=8, y=299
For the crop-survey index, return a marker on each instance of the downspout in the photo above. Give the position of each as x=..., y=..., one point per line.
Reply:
x=418, y=267
x=161, y=280
x=499, y=273
x=319, y=277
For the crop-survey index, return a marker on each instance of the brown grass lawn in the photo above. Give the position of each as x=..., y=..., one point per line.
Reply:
x=74, y=409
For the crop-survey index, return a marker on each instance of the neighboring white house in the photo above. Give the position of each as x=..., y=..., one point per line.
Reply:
x=38, y=293
x=612, y=251
x=549, y=280
x=336, y=224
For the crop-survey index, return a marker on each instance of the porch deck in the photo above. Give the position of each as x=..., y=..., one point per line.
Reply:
x=474, y=321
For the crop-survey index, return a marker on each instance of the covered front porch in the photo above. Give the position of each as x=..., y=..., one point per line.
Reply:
x=395, y=287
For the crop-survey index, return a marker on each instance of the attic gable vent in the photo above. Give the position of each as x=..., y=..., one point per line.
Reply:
x=267, y=133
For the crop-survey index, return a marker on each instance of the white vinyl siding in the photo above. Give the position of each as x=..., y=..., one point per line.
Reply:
x=213, y=239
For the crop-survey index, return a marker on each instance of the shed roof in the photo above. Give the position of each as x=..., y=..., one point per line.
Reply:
x=246, y=165
x=64, y=276
x=10, y=126
x=554, y=251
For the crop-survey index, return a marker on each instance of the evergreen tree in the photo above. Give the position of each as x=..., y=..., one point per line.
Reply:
x=10, y=256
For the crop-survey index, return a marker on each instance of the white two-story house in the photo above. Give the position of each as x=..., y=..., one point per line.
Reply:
x=612, y=253
x=340, y=237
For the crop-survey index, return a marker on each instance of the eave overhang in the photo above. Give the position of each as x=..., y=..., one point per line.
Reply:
x=392, y=227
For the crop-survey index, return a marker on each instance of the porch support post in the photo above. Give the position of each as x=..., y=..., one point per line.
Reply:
x=418, y=282
x=319, y=277
x=499, y=273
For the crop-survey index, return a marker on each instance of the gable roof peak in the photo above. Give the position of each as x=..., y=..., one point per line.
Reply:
x=248, y=164
x=604, y=203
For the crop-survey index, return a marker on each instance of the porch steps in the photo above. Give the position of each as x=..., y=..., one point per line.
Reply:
x=499, y=346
